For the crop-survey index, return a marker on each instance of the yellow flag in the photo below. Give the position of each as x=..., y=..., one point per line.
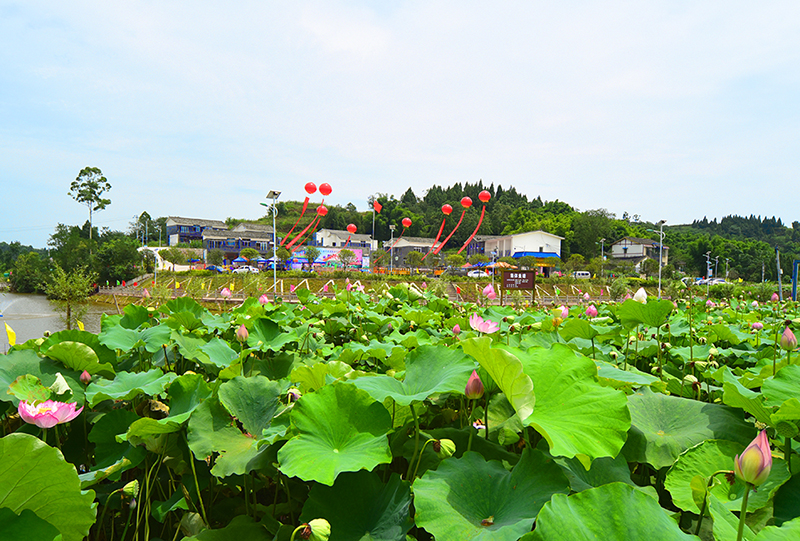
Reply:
x=80, y=324
x=740, y=279
x=231, y=287
x=177, y=285
x=12, y=336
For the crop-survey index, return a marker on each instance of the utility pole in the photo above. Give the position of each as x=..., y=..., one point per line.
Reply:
x=708, y=273
x=391, y=250
x=778, y=261
x=274, y=196
x=726, y=268
x=660, y=232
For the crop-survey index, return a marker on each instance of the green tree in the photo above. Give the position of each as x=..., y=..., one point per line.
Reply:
x=29, y=274
x=479, y=258
x=174, y=255
x=649, y=267
x=575, y=262
x=69, y=292
x=454, y=260
x=283, y=255
x=312, y=253
x=527, y=261
x=215, y=257
x=414, y=259
x=88, y=188
x=379, y=258
x=69, y=247
x=250, y=253
x=118, y=259
x=346, y=258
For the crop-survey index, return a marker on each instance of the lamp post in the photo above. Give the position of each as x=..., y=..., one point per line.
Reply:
x=602, y=256
x=391, y=250
x=660, y=232
x=708, y=272
x=726, y=268
x=274, y=196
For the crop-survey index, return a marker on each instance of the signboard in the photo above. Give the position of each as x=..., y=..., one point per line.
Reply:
x=328, y=256
x=519, y=279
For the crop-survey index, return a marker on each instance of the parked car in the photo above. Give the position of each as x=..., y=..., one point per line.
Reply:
x=215, y=268
x=478, y=273
x=245, y=269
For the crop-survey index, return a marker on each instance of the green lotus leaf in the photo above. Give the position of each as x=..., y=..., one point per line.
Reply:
x=104, y=354
x=603, y=471
x=26, y=526
x=277, y=366
x=612, y=511
x=210, y=431
x=725, y=523
x=253, y=401
x=108, y=451
x=662, y=427
x=126, y=385
x=714, y=455
x=29, y=389
x=156, y=337
x=26, y=362
x=220, y=354
x=507, y=372
x=429, y=370
x=578, y=328
x=619, y=378
x=472, y=499
x=568, y=399
x=652, y=314
x=311, y=378
x=789, y=531
x=79, y=357
x=737, y=395
x=241, y=527
x=36, y=477
x=360, y=506
x=787, y=501
x=190, y=346
x=135, y=316
x=327, y=444
x=267, y=335
x=785, y=385
x=121, y=338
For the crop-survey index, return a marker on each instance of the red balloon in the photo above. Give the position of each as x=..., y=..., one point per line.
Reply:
x=406, y=222
x=322, y=210
x=466, y=202
x=351, y=228
x=311, y=188
x=484, y=196
x=325, y=189
x=447, y=209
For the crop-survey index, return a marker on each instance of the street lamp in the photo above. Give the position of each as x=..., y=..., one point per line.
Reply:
x=708, y=272
x=726, y=268
x=391, y=250
x=660, y=232
x=274, y=196
x=602, y=255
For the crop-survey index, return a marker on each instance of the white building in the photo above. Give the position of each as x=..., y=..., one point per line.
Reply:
x=538, y=244
x=636, y=250
x=337, y=238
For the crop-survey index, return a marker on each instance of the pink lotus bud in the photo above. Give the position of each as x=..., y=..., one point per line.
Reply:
x=564, y=312
x=263, y=299
x=291, y=288
x=86, y=377
x=591, y=311
x=325, y=288
x=348, y=285
x=774, y=297
x=225, y=292
x=456, y=328
x=586, y=297
x=754, y=304
x=474, y=389
x=424, y=285
x=627, y=296
x=145, y=293
x=488, y=291
x=788, y=340
x=710, y=304
x=758, y=325
x=241, y=333
x=754, y=464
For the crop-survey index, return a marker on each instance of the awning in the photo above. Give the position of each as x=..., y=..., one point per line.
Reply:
x=537, y=255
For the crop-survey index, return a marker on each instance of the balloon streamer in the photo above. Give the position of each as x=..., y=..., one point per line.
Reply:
x=303, y=240
x=310, y=189
x=406, y=224
x=446, y=209
x=351, y=228
x=321, y=211
x=484, y=196
x=466, y=202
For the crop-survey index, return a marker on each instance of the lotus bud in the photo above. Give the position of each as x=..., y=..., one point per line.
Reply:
x=591, y=311
x=713, y=352
x=774, y=297
x=86, y=377
x=510, y=319
x=586, y=297
x=318, y=529
x=613, y=354
x=131, y=489
x=640, y=295
x=564, y=312
x=754, y=304
x=474, y=389
x=444, y=448
x=293, y=394
x=241, y=333
x=488, y=291
x=788, y=340
x=456, y=329
x=754, y=464
x=758, y=326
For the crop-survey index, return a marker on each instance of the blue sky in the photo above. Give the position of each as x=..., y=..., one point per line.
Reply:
x=669, y=110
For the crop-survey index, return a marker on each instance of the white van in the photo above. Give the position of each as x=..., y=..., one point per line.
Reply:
x=581, y=274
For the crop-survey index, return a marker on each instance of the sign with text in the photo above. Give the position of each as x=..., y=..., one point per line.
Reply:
x=519, y=279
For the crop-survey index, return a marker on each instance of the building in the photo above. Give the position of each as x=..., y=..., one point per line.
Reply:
x=635, y=250
x=545, y=247
x=405, y=245
x=187, y=230
x=245, y=235
x=338, y=238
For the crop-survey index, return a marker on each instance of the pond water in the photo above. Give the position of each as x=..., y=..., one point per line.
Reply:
x=30, y=316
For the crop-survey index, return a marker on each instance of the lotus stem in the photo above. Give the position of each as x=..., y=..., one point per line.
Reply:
x=419, y=459
x=416, y=440
x=197, y=487
x=743, y=514
x=486, y=414
x=294, y=533
x=787, y=452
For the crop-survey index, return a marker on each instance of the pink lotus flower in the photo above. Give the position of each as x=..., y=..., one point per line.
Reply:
x=48, y=414
x=360, y=288
x=349, y=286
x=481, y=325
x=241, y=333
x=755, y=462
x=564, y=311
x=754, y=304
x=788, y=339
x=627, y=296
x=488, y=291
x=586, y=296
x=758, y=325
x=145, y=293
x=591, y=311
x=263, y=299
x=474, y=389
x=225, y=292
x=325, y=288
x=291, y=288
x=710, y=304
x=424, y=285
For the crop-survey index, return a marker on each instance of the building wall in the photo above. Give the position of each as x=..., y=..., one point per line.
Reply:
x=532, y=241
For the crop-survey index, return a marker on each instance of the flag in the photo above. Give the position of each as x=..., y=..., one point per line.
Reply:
x=117, y=282
x=177, y=285
x=231, y=287
x=377, y=206
x=558, y=291
x=136, y=284
x=458, y=290
x=12, y=336
x=123, y=284
x=80, y=324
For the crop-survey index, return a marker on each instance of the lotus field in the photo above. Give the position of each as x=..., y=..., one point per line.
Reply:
x=403, y=415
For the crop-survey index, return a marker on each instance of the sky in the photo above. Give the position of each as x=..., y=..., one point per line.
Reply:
x=671, y=110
